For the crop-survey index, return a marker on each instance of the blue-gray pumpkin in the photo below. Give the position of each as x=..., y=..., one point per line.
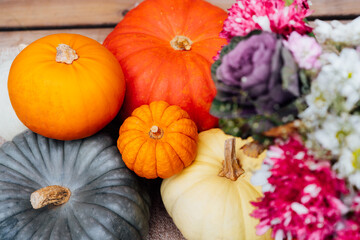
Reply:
x=105, y=199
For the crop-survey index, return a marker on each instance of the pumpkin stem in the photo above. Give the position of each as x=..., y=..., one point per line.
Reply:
x=65, y=54
x=55, y=195
x=231, y=166
x=156, y=132
x=181, y=43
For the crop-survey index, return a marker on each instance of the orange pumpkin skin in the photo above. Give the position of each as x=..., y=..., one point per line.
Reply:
x=66, y=101
x=154, y=70
x=158, y=140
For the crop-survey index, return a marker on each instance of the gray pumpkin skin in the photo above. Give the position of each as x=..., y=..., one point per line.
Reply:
x=106, y=200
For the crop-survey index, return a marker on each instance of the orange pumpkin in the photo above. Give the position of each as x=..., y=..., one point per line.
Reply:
x=166, y=49
x=158, y=140
x=66, y=86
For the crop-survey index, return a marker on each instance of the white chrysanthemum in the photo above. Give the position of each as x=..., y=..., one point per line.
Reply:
x=322, y=30
x=347, y=34
x=342, y=77
x=348, y=164
x=337, y=87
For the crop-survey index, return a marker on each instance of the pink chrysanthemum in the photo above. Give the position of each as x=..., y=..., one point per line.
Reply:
x=304, y=198
x=271, y=15
x=349, y=229
x=356, y=205
x=306, y=50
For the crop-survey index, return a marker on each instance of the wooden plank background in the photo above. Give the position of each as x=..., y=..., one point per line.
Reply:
x=23, y=21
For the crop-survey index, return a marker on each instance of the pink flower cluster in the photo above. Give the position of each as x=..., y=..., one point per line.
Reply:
x=305, y=50
x=304, y=200
x=349, y=229
x=271, y=15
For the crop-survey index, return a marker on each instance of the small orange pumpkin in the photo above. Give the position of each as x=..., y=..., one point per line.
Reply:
x=66, y=86
x=158, y=140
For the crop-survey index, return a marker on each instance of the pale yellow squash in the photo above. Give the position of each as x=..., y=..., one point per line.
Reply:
x=204, y=205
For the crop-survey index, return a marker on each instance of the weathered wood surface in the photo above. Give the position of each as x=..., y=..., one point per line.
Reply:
x=24, y=21
x=14, y=38
x=30, y=14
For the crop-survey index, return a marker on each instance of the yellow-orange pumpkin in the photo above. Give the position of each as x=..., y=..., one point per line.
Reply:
x=66, y=86
x=158, y=140
x=166, y=48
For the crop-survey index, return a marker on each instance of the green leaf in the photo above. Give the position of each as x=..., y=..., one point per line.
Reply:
x=288, y=2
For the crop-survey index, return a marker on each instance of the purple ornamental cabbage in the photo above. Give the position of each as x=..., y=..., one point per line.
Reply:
x=258, y=76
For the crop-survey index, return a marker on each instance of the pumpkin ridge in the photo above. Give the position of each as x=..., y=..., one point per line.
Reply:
x=167, y=154
x=105, y=209
x=205, y=39
x=53, y=228
x=156, y=161
x=182, y=162
x=149, y=144
x=198, y=160
x=95, y=80
x=108, y=209
x=209, y=84
x=22, y=175
x=243, y=211
x=75, y=160
x=17, y=213
x=142, y=200
x=201, y=56
x=14, y=171
x=183, y=147
x=124, y=187
x=92, y=162
x=152, y=35
x=48, y=223
x=22, y=227
x=103, y=227
x=193, y=88
x=137, y=118
x=174, y=117
x=40, y=139
x=154, y=82
x=162, y=114
x=136, y=156
x=68, y=227
x=204, y=178
x=83, y=93
x=166, y=18
x=248, y=184
x=136, y=138
x=188, y=80
x=186, y=17
x=141, y=51
x=225, y=205
x=124, y=183
x=186, y=135
x=72, y=212
x=9, y=187
x=26, y=141
x=95, y=179
x=86, y=168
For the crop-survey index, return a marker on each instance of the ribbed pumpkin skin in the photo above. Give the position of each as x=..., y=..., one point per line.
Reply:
x=152, y=158
x=154, y=70
x=106, y=200
x=204, y=205
x=66, y=101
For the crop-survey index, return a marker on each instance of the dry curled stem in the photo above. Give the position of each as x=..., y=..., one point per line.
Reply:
x=55, y=195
